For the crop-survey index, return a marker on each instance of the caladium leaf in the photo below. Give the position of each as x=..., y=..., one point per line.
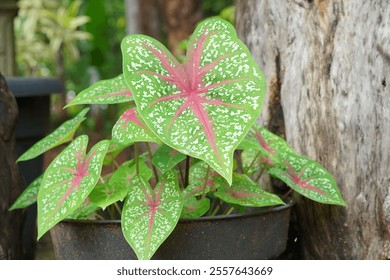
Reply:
x=28, y=196
x=270, y=146
x=130, y=128
x=85, y=211
x=150, y=215
x=194, y=208
x=245, y=192
x=205, y=106
x=68, y=181
x=64, y=133
x=201, y=181
x=166, y=158
x=117, y=188
x=106, y=194
x=110, y=91
x=309, y=178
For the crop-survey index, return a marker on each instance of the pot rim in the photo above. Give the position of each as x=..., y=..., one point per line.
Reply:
x=260, y=212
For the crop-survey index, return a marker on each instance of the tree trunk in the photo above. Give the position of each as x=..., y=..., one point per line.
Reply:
x=181, y=16
x=328, y=62
x=11, y=185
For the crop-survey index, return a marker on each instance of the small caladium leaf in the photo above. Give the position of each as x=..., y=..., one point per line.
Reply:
x=110, y=91
x=85, y=211
x=117, y=188
x=270, y=146
x=29, y=195
x=68, y=181
x=128, y=170
x=64, y=133
x=106, y=194
x=205, y=106
x=130, y=128
x=201, y=180
x=150, y=215
x=245, y=192
x=194, y=208
x=166, y=158
x=309, y=178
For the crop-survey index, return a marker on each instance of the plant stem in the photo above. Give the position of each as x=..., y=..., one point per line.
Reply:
x=252, y=162
x=100, y=217
x=260, y=173
x=187, y=173
x=237, y=156
x=150, y=159
x=118, y=208
x=215, y=210
x=181, y=177
x=136, y=155
x=229, y=210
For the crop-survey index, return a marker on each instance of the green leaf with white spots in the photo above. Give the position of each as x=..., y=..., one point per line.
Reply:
x=64, y=133
x=309, y=178
x=28, y=196
x=110, y=91
x=68, y=181
x=150, y=215
x=201, y=180
x=205, y=106
x=194, y=208
x=166, y=158
x=130, y=129
x=245, y=192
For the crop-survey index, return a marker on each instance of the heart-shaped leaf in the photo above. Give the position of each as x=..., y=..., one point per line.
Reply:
x=64, y=133
x=28, y=196
x=309, y=178
x=68, y=181
x=194, y=208
x=110, y=91
x=245, y=192
x=205, y=106
x=166, y=158
x=150, y=215
x=130, y=129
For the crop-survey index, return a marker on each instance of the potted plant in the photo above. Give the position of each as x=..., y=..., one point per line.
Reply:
x=211, y=154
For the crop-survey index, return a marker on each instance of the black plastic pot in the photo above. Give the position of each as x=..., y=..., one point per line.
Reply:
x=261, y=235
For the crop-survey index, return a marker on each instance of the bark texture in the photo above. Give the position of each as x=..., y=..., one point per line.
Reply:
x=181, y=16
x=328, y=63
x=11, y=184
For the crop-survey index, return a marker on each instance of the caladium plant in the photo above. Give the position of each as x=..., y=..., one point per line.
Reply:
x=199, y=112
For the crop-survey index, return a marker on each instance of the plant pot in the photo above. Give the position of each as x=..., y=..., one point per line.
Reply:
x=261, y=235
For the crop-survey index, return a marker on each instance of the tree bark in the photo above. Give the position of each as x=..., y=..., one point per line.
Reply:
x=181, y=16
x=328, y=62
x=11, y=184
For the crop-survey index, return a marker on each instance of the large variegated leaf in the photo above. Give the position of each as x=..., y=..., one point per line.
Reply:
x=166, y=158
x=150, y=215
x=110, y=91
x=85, y=211
x=62, y=134
x=68, y=181
x=309, y=178
x=130, y=128
x=245, y=192
x=205, y=106
x=28, y=196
